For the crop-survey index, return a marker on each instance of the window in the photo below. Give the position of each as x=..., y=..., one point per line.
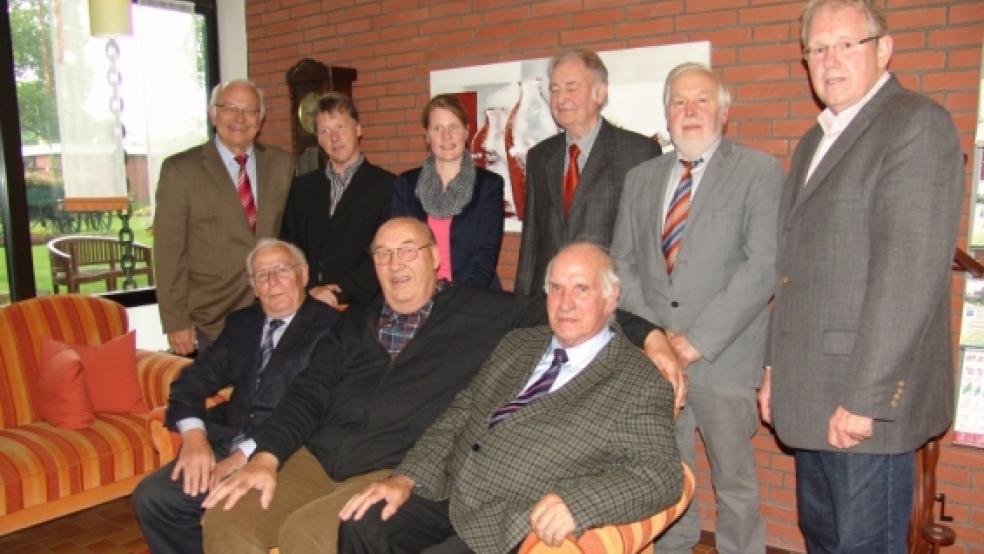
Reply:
x=71, y=87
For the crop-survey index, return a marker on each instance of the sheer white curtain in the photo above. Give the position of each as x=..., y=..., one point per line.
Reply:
x=162, y=86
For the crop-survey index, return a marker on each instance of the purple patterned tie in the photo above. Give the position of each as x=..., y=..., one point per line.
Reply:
x=539, y=388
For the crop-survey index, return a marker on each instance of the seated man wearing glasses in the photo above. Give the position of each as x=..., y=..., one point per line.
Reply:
x=376, y=382
x=260, y=351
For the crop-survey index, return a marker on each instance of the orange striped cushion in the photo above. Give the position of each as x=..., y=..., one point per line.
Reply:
x=71, y=318
x=41, y=463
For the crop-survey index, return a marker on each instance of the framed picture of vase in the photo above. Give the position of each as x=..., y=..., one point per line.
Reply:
x=510, y=111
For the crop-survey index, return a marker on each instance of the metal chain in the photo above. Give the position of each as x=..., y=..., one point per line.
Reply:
x=127, y=262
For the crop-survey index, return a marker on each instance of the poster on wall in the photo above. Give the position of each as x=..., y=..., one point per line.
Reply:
x=968, y=427
x=509, y=106
x=972, y=320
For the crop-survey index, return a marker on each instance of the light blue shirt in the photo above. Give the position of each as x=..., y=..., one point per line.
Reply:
x=248, y=446
x=578, y=357
x=232, y=166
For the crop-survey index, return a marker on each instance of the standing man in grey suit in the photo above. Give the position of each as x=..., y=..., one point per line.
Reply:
x=574, y=179
x=695, y=246
x=565, y=428
x=213, y=202
x=860, y=347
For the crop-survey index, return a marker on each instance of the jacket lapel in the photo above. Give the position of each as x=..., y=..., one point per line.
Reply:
x=555, y=177
x=597, y=164
x=518, y=374
x=582, y=384
x=226, y=189
x=655, y=194
x=251, y=350
x=710, y=181
x=265, y=224
x=844, y=143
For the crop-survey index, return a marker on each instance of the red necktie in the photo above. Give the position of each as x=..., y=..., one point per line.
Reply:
x=246, y=192
x=676, y=215
x=571, y=178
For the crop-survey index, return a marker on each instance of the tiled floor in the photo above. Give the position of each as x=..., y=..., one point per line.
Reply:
x=106, y=529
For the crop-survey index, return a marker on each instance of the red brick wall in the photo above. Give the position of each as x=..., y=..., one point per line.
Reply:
x=394, y=44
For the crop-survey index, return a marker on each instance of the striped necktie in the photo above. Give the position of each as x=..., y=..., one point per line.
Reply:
x=539, y=388
x=266, y=349
x=676, y=215
x=245, y=191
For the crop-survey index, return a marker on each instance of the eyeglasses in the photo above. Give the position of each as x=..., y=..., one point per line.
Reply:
x=845, y=48
x=280, y=271
x=408, y=253
x=238, y=110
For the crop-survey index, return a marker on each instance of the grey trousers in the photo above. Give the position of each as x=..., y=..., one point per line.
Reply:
x=727, y=420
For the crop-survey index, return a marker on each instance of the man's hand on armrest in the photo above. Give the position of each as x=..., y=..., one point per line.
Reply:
x=551, y=520
x=394, y=491
x=260, y=474
x=195, y=462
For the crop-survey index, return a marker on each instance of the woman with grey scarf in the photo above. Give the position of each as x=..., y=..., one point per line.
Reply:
x=462, y=204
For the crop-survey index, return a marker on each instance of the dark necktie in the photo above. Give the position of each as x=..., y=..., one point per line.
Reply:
x=676, y=215
x=539, y=388
x=266, y=348
x=245, y=191
x=571, y=178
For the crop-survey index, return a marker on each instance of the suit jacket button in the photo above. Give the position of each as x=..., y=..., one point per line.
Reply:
x=476, y=447
x=786, y=280
x=675, y=304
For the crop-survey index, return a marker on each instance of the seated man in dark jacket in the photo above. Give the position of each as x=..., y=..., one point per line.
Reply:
x=376, y=382
x=259, y=352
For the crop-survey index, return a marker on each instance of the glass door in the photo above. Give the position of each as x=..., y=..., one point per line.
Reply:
x=97, y=118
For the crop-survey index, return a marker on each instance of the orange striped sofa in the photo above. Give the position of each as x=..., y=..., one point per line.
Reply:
x=47, y=472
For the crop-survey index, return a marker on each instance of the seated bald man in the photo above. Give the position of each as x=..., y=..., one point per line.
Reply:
x=384, y=373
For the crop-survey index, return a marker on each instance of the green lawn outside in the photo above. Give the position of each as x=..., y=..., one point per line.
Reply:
x=42, y=267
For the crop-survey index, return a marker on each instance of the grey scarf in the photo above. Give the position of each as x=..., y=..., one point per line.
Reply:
x=442, y=203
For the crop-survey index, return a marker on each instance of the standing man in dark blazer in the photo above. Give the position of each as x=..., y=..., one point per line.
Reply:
x=213, y=202
x=568, y=201
x=565, y=428
x=695, y=246
x=333, y=213
x=260, y=351
x=862, y=370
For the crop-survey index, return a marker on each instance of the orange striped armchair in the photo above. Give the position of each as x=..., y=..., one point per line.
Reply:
x=45, y=471
x=630, y=538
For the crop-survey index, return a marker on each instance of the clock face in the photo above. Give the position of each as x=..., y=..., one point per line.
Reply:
x=307, y=108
